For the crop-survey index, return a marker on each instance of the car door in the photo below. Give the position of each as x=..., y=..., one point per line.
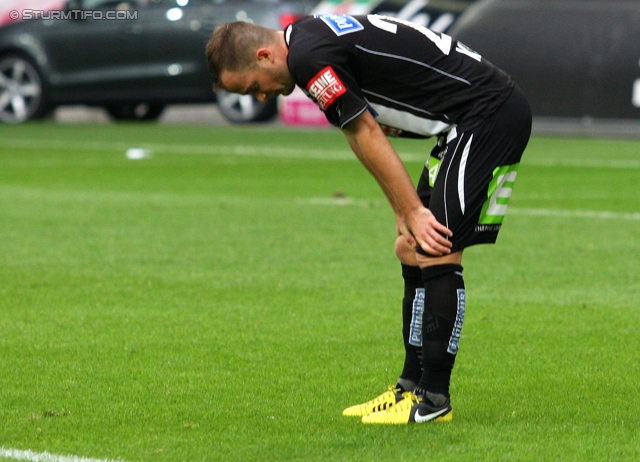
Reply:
x=95, y=51
x=173, y=35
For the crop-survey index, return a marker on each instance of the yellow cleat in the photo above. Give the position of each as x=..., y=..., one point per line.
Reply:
x=411, y=410
x=381, y=403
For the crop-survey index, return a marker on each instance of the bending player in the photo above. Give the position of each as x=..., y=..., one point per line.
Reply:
x=375, y=76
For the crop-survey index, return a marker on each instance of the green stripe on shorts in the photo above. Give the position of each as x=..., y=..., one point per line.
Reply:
x=434, y=168
x=498, y=195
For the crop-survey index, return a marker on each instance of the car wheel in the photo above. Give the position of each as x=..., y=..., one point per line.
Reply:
x=245, y=108
x=131, y=111
x=22, y=95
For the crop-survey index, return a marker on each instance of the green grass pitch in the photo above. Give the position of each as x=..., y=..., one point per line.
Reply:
x=226, y=298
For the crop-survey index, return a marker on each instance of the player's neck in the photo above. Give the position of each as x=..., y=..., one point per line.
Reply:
x=282, y=44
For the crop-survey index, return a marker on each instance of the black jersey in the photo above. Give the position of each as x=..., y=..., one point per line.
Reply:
x=416, y=82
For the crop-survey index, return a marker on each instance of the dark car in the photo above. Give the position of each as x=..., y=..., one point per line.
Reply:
x=132, y=57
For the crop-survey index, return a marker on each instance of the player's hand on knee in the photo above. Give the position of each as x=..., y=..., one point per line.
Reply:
x=431, y=235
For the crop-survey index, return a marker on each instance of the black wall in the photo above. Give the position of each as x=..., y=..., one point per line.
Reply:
x=573, y=58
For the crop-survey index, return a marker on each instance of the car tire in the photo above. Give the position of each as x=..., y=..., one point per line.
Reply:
x=135, y=112
x=22, y=90
x=245, y=108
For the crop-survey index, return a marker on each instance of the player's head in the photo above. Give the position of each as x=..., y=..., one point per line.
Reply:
x=249, y=59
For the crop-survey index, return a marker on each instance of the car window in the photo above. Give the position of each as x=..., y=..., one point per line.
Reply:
x=110, y=4
x=231, y=2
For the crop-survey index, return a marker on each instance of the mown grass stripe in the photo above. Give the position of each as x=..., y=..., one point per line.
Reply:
x=283, y=152
x=117, y=196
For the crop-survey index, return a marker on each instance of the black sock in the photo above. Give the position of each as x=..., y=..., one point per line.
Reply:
x=412, y=308
x=442, y=321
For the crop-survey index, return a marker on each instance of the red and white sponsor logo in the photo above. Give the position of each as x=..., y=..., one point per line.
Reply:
x=390, y=131
x=325, y=87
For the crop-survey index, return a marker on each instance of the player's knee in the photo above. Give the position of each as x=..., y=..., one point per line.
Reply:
x=424, y=261
x=405, y=253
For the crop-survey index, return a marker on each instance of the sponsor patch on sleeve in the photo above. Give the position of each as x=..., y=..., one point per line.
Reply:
x=325, y=87
x=341, y=23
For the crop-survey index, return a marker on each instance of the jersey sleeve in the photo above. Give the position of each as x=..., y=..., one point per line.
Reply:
x=320, y=67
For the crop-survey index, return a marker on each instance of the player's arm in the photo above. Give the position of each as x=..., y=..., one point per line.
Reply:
x=375, y=152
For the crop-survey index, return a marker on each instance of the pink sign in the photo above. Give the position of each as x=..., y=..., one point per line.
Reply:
x=298, y=109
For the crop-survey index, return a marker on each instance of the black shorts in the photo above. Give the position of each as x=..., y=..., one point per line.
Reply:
x=468, y=179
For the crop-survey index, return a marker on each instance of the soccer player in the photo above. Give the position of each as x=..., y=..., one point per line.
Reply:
x=376, y=76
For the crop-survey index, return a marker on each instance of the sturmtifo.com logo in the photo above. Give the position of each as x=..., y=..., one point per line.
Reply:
x=26, y=15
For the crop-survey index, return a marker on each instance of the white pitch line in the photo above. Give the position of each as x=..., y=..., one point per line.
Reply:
x=582, y=163
x=284, y=152
x=338, y=201
x=562, y=213
x=31, y=456
x=213, y=149
x=593, y=214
